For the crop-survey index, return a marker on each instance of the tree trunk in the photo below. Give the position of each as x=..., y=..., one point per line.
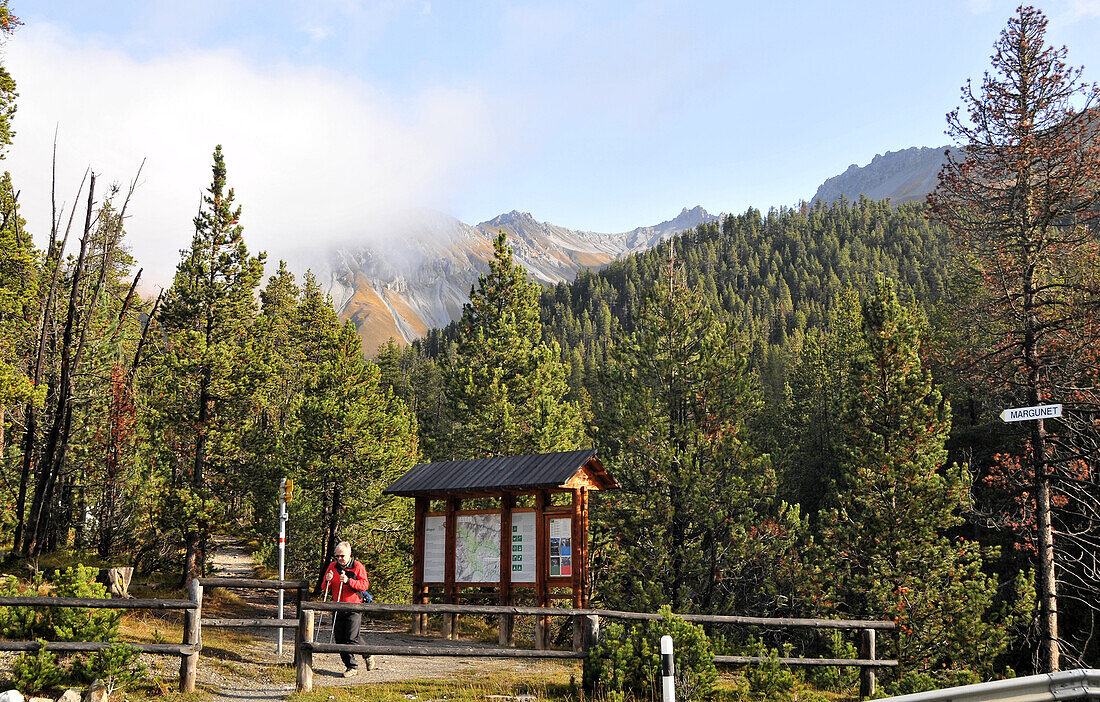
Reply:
x=57, y=440
x=1047, y=583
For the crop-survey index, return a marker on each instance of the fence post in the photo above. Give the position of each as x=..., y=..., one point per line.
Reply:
x=867, y=673
x=591, y=632
x=303, y=653
x=192, y=634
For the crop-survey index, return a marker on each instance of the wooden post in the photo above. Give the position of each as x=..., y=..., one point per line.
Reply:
x=581, y=549
x=576, y=536
x=304, y=654
x=192, y=634
x=419, y=621
x=867, y=673
x=591, y=632
x=542, y=560
x=450, y=590
x=506, y=623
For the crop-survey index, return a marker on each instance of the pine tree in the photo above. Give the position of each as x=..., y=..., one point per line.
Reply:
x=352, y=440
x=507, y=387
x=884, y=538
x=206, y=314
x=695, y=523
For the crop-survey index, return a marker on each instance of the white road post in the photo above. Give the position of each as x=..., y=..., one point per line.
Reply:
x=282, y=554
x=668, y=671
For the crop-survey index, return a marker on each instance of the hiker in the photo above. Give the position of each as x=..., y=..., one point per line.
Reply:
x=346, y=581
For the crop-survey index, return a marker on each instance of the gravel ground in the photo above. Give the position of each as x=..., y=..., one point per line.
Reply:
x=248, y=673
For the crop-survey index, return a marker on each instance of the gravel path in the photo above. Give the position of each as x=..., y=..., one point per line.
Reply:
x=251, y=669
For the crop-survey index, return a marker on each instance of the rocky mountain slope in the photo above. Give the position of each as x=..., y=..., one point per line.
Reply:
x=903, y=176
x=422, y=275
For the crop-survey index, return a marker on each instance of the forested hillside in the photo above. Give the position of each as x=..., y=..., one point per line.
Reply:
x=772, y=277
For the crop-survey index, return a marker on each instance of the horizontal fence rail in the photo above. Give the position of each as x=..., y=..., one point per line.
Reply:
x=93, y=603
x=586, y=632
x=836, y=662
x=188, y=651
x=606, y=613
x=83, y=646
x=257, y=583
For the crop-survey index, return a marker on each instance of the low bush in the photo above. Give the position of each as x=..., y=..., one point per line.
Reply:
x=33, y=673
x=627, y=661
x=118, y=667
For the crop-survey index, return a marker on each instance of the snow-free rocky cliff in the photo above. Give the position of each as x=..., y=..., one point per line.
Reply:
x=422, y=275
x=903, y=176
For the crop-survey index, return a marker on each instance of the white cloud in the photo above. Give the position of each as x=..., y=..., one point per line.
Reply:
x=315, y=157
x=317, y=32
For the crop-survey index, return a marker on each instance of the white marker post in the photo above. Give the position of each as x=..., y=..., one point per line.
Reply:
x=668, y=670
x=282, y=552
x=1023, y=414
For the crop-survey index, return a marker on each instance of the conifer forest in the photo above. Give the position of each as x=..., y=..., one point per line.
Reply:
x=801, y=405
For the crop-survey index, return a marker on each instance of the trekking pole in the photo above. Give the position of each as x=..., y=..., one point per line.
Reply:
x=339, y=597
x=323, y=600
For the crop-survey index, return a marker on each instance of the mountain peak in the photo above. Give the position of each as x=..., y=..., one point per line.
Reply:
x=902, y=176
x=512, y=218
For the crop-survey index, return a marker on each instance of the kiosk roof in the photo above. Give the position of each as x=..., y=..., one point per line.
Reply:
x=500, y=474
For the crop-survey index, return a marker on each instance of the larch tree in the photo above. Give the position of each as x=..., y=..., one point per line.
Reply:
x=1021, y=194
x=206, y=315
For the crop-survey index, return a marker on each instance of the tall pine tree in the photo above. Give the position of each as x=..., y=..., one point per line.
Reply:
x=506, y=386
x=695, y=524
x=206, y=315
x=885, y=535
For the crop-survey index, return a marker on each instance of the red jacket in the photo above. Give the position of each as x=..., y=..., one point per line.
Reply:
x=349, y=591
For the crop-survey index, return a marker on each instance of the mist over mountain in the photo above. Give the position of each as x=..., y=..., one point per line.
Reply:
x=903, y=176
x=421, y=277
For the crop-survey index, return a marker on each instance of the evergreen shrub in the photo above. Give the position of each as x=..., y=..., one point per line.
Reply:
x=118, y=667
x=627, y=661
x=82, y=624
x=33, y=673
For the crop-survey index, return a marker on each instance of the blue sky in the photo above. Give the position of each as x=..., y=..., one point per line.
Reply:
x=336, y=115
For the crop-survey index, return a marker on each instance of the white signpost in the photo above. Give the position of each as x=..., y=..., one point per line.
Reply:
x=1022, y=414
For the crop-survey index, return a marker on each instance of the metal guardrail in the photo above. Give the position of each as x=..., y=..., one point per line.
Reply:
x=1083, y=684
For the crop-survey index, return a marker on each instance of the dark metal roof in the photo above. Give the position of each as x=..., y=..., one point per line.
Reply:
x=499, y=473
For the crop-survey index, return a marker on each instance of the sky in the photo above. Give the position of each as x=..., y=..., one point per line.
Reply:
x=337, y=116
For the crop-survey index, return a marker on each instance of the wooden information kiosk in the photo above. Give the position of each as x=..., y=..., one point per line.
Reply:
x=527, y=538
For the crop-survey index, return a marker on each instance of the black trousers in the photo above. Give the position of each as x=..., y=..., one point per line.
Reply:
x=347, y=632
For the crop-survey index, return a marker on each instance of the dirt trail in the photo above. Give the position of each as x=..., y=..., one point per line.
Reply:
x=251, y=669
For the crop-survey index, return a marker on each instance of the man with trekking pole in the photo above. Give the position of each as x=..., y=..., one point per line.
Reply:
x=346, y=581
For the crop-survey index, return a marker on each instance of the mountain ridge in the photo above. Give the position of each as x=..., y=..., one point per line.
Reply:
x=422, y=278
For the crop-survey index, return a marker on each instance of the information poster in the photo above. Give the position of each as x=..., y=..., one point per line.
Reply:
x=435, y=549
x=561, y=547
x=523, y=547
x=477, y=548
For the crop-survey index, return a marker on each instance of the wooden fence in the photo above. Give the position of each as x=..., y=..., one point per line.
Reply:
x=586, y=625
x=188, y=651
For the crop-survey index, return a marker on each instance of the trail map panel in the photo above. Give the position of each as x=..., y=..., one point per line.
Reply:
x=435, y=549
x=523, y=547
x=477, y=548
x=561, y=547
